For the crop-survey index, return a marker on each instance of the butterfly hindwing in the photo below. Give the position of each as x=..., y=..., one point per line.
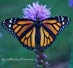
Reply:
x=29, y=39
x=46, y=38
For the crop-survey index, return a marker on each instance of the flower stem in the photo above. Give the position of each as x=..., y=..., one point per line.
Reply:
x=41, y=59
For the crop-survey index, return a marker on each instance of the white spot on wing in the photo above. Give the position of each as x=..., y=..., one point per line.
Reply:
x=9, y=25
x=10, y=21
x=62, y=18
x=59, y=18
x=9, y=29
x=63, y=23
x=68, y=18
x=63, y=27
x=4, y=21
x=3, y=24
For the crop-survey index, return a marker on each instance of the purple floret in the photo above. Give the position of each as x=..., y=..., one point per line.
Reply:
x=35, y=11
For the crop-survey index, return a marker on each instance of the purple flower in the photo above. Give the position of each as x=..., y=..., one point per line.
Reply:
x=36, y=11
x=71, y=3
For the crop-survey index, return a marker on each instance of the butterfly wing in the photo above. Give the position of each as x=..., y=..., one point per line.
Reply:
x=51, y=27
x=23, y=29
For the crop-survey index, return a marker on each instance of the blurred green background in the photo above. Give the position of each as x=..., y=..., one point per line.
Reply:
x=60, y=50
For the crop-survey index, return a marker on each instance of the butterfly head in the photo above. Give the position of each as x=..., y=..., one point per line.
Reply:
x=38, y=23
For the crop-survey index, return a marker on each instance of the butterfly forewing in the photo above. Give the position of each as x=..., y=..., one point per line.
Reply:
x=51, y=27
x=55, y=24
x=22, y=29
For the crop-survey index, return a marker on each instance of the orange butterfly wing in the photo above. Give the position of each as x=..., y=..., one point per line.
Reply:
x=51, y=27
x=23, y=29
x=27, y=39
x=30, y=35
x=46, y=38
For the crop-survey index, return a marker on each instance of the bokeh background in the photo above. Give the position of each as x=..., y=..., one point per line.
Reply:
x=59, y=53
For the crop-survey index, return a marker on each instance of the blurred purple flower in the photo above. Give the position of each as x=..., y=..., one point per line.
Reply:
x=71, y=3
x=35, y=11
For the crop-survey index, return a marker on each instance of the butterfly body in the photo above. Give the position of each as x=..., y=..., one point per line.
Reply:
x=36, y=34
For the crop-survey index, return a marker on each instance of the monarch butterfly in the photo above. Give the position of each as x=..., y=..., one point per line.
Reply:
x=36, y=34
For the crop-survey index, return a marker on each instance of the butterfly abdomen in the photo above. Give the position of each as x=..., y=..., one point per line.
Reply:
x=37, y=37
